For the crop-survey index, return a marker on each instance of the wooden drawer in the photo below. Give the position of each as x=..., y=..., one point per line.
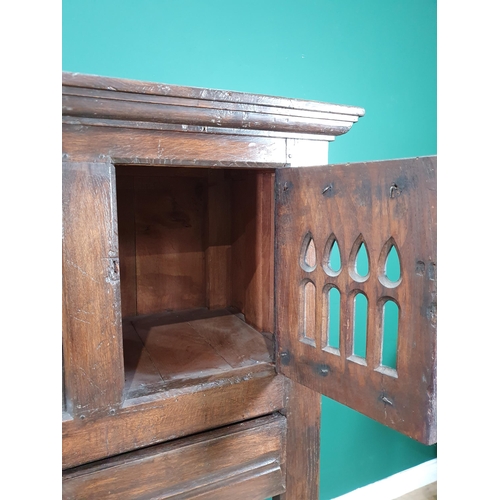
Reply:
x=243, y=461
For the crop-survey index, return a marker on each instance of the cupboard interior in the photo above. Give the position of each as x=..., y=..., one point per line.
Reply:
x=196, y=248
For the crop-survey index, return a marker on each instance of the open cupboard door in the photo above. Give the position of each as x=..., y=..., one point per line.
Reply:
x=361, y=333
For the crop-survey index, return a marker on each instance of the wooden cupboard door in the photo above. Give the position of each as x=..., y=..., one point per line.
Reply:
x=356, y=287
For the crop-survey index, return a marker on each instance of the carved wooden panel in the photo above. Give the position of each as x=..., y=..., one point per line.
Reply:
x=338, y=228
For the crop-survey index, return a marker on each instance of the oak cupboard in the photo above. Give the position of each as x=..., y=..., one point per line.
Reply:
x=203, y=310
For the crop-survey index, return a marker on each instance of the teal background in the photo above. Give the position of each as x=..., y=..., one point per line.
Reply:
x=380, y=55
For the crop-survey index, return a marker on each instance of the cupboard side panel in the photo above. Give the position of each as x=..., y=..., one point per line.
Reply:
x=93, y=358
x=126, y=235
x=265, y=244
x=252, y=263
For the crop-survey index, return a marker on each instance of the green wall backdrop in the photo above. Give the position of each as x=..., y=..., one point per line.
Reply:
x=380, y=55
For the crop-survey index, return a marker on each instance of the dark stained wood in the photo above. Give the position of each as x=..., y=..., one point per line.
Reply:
x=140, y=370
x=197, y=348
x=236, y=342
x=303, y=415
x=175, y=349
x=99, y=115
x=241, y=461
x=115, y=109
x=171, y=414
x=181, y=353
x=218, y=240
x=207, y=170
x=170, y=110
x=108, y=98
x=139, y=146
x=197, y=129
x=263, y=299
x=63, y=392
x=125, y=194
x=252, y=257
x=371, y=202
x=129, y=90
x=169, y=243
x=196, y=228
x=258, y=483
x=207, y=106
x=201, y=238
x=190, y=220
x=93, y=359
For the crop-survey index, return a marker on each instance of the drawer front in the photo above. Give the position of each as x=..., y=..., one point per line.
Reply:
x=243, y=461
x=171, y=415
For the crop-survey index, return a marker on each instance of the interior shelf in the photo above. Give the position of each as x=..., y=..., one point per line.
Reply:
x=176, y=349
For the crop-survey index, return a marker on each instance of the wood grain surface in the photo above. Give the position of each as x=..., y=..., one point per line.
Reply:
x=199, y=346
x=108, y=98
x=93, y=358
x=303, y=416
x=377, y=203
x=129, y=145
x=161, y=416
x=241, y=461
x=252, y=237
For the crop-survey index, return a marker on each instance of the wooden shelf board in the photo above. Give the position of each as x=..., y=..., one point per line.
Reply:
x=174, y=349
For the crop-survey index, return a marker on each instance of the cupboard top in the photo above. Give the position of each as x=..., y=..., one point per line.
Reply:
x=90, y=97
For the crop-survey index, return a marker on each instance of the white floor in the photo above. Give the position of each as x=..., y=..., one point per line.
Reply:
x=397, y=485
